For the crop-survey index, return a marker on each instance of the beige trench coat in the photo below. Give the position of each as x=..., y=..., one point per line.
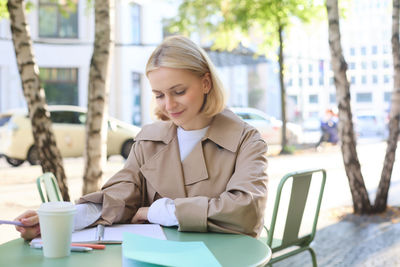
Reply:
x=221, y=186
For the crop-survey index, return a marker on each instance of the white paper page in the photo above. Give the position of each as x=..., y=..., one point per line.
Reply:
x=114, y=233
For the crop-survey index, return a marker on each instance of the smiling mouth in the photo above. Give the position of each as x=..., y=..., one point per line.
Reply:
x=175, y=114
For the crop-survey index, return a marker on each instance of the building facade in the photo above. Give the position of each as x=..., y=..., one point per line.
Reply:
x=366, y=43
x=63, y=40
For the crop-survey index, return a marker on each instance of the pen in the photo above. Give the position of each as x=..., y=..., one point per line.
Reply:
x=73, y=248
x=12, y=222
x=93, y=246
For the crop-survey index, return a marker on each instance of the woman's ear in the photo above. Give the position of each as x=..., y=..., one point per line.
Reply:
x=206, y=83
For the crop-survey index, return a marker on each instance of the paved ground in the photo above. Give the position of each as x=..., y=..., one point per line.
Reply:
x=346, y=241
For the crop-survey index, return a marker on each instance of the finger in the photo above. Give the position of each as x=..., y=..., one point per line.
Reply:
x=30, y=221
x=26, y=214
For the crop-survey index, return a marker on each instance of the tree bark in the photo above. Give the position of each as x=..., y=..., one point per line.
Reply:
x=97, y=116
x=283, y=91
x=361, y=203
x=380, y=203
x=49, y=155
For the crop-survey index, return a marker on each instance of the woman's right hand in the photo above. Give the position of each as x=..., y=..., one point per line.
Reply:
x=31, y=221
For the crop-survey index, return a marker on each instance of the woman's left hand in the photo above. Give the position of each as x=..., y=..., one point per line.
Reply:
x=141, y=215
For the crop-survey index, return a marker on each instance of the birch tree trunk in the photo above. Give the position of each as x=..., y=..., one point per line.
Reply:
x=49, y=155
x=97, y=116
x=283, y=91
x=384, y=184
x=361, y=203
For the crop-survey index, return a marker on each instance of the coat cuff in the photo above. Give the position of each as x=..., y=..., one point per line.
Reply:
x=192, y=213
x=112, y=209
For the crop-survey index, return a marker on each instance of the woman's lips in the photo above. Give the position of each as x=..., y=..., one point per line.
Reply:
x=175, y=114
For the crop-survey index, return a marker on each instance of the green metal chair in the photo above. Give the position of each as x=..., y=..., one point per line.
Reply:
x=289, y=242
x=48, y=188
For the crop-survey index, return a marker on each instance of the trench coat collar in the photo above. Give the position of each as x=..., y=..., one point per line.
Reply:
x=223, y=123
x=165, y=171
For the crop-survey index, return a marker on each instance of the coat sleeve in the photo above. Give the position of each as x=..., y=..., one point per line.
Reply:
x=240, y=208
x=122, y=195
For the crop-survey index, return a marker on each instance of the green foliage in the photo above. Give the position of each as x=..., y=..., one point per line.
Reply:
x=228, y=23
x=3, y=9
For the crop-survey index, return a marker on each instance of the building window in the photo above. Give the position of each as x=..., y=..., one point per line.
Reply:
x=387, y=96
x=386, y=78
x=136, y=92
x=374, y=79
x=385, y=49
x=58, y=20
x=364, y=97
x=293, y=99
x=313, y=99
x=364, y=79
x=332, y=98
x=300, y=82
x=352, y=51
x=352, y=65
x=310, y=68
x=353, y=80
x=374, y=50
x=364, y=65
x=60, y=85
x=385, y=64
x=374, y=64
x=290, y=82
x=310, y=81
x=135, y=19
x=321, y=80
x=363, y=50
x=331, y=80
x=300, y=69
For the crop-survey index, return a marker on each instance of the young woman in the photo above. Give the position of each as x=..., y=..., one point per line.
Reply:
x=200, y=167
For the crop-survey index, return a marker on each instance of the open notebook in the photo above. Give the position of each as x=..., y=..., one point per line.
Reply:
x=114, y=234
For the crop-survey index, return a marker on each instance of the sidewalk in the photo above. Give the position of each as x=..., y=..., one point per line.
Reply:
x=350, y=241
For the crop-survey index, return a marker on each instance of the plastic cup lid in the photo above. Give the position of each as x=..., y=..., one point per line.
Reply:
x=57, y=206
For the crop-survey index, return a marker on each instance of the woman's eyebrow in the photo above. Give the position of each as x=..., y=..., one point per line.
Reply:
x=169, y=89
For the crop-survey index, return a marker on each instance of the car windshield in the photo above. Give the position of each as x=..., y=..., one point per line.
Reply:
x=4, y=119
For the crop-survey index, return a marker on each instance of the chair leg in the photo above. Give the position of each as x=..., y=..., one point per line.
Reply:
x=313, y=256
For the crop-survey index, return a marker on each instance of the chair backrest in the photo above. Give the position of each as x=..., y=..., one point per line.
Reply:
x=299, y=193
x=48, y=188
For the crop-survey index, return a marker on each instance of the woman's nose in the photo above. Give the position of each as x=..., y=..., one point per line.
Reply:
x=170, y=103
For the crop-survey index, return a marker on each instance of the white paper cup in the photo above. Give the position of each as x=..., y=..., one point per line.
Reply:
x=56, y=225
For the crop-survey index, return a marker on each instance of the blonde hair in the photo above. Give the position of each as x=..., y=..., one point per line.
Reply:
x=180, y=52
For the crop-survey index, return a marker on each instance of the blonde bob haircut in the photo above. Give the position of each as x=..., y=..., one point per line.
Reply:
x=180, y=52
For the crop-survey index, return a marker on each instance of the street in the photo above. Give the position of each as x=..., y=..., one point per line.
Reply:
x=18, y=188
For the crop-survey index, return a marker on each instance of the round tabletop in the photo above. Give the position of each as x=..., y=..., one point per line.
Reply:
x=229, y=249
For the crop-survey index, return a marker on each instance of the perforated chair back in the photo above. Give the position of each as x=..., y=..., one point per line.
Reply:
x=296, y=204
x=48, y=188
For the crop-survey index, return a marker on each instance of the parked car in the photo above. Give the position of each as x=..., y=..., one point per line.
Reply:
x=311, y=130
x=17, y=144
x=370, y=124
x=269, y=126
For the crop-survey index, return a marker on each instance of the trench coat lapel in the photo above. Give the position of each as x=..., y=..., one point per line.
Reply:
x=194, y=165
x=164, y=171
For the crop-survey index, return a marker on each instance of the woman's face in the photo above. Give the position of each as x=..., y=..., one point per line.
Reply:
x=180, y=95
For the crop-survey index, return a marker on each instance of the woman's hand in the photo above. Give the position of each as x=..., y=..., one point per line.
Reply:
x=141, y=215
x=31, y=220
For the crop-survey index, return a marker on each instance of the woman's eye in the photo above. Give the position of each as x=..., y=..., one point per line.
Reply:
x=159, y=96
x=180, y=92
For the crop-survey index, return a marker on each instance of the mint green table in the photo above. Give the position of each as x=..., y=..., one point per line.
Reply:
x=230, y=250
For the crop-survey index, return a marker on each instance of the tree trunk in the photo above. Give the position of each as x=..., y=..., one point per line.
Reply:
x=49, y=155
x=361, y=203
x=384, y=184
x=283, y=91
x=97, y=116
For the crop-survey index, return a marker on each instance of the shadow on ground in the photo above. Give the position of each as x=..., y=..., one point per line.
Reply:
x=355, y=241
